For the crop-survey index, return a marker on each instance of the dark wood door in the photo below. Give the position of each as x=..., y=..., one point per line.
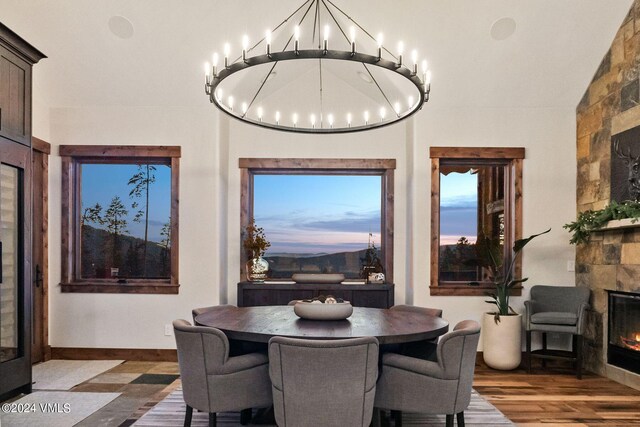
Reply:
x=40, y=166
x=15, y=97
x=15, y=271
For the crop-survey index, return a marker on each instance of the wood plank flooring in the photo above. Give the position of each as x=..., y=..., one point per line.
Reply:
x=554, y=397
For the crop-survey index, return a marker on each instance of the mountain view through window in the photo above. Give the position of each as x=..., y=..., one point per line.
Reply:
x=318, y=223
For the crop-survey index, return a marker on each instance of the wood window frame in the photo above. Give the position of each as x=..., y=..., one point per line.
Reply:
x=513, y=198
x=72, y=157
x=249, y=167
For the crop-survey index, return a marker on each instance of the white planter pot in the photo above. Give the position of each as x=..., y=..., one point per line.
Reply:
x=502, y=342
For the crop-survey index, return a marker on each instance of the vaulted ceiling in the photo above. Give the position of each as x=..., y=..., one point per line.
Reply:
x=548, y=61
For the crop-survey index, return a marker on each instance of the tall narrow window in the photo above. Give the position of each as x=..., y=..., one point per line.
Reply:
x=320, y=215
x=476, y=206
x=122, y=223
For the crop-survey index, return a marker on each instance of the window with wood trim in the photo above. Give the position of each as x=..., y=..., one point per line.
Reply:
x=320, y=215
x=120, y=219
x=476, y=204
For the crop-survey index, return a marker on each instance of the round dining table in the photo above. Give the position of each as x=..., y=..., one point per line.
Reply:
x=259, y=324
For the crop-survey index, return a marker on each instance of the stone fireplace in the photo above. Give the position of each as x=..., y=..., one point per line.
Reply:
x=610, y=261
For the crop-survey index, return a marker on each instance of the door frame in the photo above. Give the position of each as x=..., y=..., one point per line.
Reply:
x=41, y=220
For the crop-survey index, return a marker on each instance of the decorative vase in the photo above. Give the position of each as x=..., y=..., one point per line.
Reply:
x=257, y=269
x=502, y=342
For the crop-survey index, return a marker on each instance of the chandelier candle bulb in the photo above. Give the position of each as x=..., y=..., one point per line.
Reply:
x=244, y=108
x=312, y=119
x=352, y=34
x=230, y=102
x=226, y=51
x=214, y=64
x=294, y=119
x=259, y=113
x=410, y=101
x=267, y=39
x=325, y=43
x=379, y=40
x=348, y=119
x=296, y=39
x=414, y=57
x=383, y=113
x=366, y=118
x=330, y=120
x=245, y=46
x=207, y=67
x=277, y=117
x=400, y=52
x=396, y=107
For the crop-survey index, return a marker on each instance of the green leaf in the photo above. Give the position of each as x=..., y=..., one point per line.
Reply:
x=519, y=244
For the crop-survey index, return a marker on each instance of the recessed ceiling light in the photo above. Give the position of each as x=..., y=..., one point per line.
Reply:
x=121, y=27
x=503, y=28
x=365, y=77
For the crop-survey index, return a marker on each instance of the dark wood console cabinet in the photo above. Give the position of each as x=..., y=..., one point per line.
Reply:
x=255, y=294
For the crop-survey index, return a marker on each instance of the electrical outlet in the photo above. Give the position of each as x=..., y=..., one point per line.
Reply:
x=571, y=266
x=167, y=330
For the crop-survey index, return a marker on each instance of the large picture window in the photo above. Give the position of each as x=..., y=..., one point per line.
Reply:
x=476, y=203
x=320, y=215
x=122, y=222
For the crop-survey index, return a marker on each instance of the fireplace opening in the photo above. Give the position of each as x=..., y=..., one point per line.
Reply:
x=623, y=349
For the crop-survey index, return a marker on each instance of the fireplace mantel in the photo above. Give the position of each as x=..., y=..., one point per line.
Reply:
x=618, y=224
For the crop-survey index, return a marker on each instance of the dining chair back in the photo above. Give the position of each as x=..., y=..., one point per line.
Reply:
x=409, y=384
x=214, y=382
x=323, y=383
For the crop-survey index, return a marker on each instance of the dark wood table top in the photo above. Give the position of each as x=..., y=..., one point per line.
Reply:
x=259, y=324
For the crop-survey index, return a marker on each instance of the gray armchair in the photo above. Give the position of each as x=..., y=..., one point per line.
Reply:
x=214, y=382
x=320, y=383
x=559, y=309
x=443, y=387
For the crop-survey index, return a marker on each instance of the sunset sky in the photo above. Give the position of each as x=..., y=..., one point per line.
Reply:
x=100, y=183
x=309, y=214
x=458, y=207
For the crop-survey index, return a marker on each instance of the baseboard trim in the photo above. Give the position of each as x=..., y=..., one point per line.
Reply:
x=137, y=354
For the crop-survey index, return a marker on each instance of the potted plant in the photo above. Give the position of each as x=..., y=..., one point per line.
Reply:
x=501, y=329
x=256, y=244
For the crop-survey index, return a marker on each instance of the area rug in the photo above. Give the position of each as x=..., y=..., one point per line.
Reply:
x=65, y=374
x=170, y=412
x=53, y=408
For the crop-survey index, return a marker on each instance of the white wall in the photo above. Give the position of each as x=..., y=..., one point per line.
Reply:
x=210, y=204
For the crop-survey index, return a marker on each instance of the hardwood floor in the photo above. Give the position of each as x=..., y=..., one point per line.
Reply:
x=554, y=397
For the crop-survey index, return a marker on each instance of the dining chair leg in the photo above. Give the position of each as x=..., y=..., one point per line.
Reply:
x=460, y=417
x=376, y=418
x=245, y=416
x=212, y=419
x=397, y=418
x=579, y=356
x=544, y=348
x=528, y=352
x=187, y=416
x=449, y=420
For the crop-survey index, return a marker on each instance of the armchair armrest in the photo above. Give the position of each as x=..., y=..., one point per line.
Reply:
x=412, y=364
x=582, y=317
x=529, y=310
x=242, y=363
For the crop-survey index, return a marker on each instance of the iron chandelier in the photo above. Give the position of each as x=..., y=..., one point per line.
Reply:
x=294, y=80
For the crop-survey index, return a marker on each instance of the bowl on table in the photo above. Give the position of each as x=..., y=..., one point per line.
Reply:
x=319, y=311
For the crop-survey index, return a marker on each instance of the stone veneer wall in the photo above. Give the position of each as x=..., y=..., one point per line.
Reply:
x=611, y=260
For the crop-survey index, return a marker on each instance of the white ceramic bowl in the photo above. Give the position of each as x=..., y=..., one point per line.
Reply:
x=314, y=311
x=317, y=277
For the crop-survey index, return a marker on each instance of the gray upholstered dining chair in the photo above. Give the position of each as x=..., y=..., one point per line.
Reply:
x=422, y=349
x=214, y=382
x=320, y=383
x=408, y=384
x=559, y=309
